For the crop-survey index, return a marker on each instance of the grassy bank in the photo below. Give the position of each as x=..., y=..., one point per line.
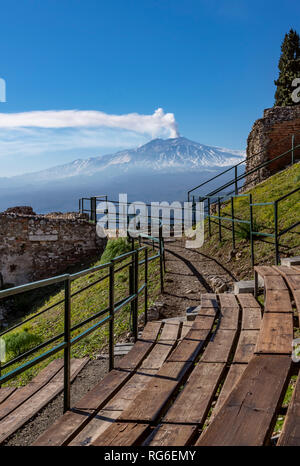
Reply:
x=288, y=213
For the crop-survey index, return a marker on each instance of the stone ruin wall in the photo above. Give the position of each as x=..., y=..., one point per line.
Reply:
x=271, y=136
x=34, y=247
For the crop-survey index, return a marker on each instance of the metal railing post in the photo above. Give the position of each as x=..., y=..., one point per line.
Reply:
x=111, y=314
x=251, y=230
x=146, y=286
x=235, y=180
x=276, y=233
x=255, y=284
x=209, y=220
x=161, y=260
x=293, y=151
x=219, y=215
x=193, y=213
x=67, y=349
x=131, y=291
x=93, y=209
x=136, y=301
x=232, y=223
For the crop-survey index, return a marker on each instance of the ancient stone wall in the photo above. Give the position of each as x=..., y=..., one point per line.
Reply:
x=271, y=136
x=33, y=247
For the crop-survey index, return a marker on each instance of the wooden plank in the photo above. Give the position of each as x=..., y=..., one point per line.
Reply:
x=150, y=403
x=122, y=435
x=265, y=270
x=234, y=374
x=73, y=421
x=246, y=346
x=127, y=394
x=163, y=347
x=193, y=403
x=229, y=318
x=171, y=435
x=209, y=300
x=204, y=322
x=114, y=408
x=5, y=392
x=141, y=348
x=278, y=301
x=247, y=300
x=220, y=346
x=275, y=282
x=189, y=348
x=170, y=331
x=251, y=318
x=294, y=282
x=285, y=270
x=208, y=311
x=290, y=435
x=30, y=407
x=228, y=300
x=276, y=334
x=22, y=394
x=186, y=327
x=249, y=413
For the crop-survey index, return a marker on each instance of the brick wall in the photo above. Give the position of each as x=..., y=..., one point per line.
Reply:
x=34, y=247
x=271, y=136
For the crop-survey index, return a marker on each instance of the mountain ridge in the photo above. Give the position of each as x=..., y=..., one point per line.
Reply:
x=158, y=155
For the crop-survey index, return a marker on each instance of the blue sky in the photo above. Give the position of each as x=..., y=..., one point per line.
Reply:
x=209, y=64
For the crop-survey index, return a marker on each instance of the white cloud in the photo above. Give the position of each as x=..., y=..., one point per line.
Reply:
x=159, y=124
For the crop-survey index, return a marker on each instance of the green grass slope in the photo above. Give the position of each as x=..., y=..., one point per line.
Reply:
x=288, y=214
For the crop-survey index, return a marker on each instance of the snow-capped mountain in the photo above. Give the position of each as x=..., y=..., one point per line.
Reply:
x=162, y=169
x=158, y=155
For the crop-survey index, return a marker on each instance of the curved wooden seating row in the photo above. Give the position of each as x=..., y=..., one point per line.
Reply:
x=219, y=380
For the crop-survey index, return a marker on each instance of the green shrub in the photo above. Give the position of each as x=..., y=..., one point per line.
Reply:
x=20, y=342
x=114, y=248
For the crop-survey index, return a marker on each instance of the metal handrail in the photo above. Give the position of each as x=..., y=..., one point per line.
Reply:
x=253, y=234
x=237, y=178
x=111, y=310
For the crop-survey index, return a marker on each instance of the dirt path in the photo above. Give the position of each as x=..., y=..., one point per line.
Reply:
x=187, y=276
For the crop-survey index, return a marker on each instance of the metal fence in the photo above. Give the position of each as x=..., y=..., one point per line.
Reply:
x=289, y=155
x=253, y=234
x=132, y=261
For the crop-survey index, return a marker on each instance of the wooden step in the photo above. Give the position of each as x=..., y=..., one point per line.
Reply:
x=123, y=434
x=19, y=416
x=73, y=421
x=193, y=402
x=246, y=345
x=248, y=415
x=127, y=394
x=276, y=334
x=171, y=435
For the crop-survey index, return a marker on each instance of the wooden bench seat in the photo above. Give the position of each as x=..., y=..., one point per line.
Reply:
x=127, y=394
x=251, y=407
x=249, y=413
x=73, y=421
x=25, y=402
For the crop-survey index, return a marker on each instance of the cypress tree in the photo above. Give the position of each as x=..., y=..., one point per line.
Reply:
x=289, y=69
